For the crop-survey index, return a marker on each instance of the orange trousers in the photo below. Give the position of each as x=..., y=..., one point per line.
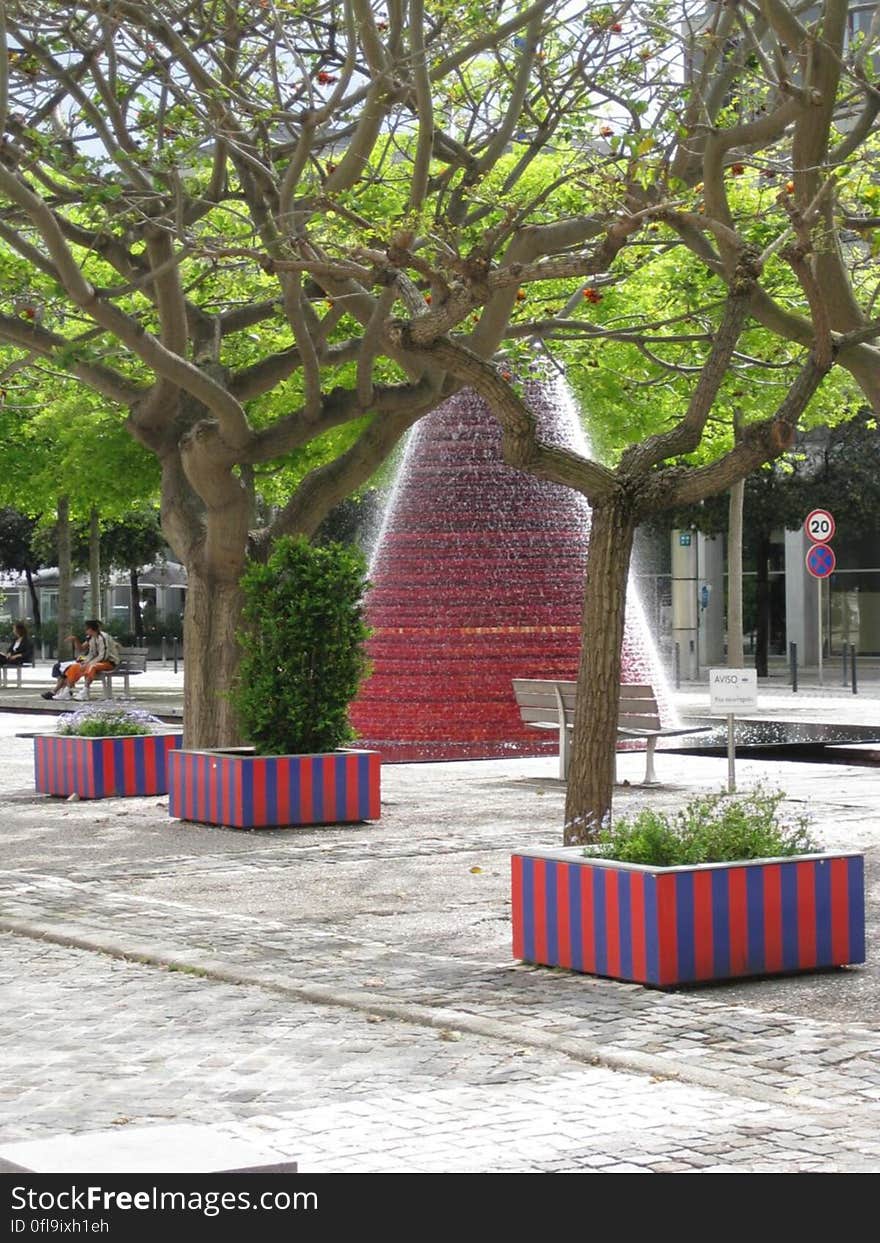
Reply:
x=90, y=672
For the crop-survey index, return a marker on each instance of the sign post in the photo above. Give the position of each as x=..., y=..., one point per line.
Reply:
x=819, y=528
x=730, y=691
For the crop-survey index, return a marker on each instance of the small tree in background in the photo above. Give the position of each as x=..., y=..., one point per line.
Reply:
x=303, y=647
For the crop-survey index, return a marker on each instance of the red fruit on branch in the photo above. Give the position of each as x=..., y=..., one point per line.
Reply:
x=29, y=312
x=592, y=295
x=606, y=131
x=789, y=187
x=616, y=28
x=521, y=295
x=737, y=170
x=324, y=78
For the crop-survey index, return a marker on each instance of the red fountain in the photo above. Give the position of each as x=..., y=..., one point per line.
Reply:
x=477, y=578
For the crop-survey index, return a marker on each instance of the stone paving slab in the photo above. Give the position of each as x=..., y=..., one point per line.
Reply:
x=333, y=1090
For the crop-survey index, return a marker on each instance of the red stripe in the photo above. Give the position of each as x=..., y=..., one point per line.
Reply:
x=738, y=922
x=637, y=926
x=806, y=910
x=704, y=945
x=667, y=930
x=563, y=915
x=150, y=753
x=375, y=776
x=772, y=917
x=839, y=911
x=588, y=937
x=351, y=788
x=259, y=795
x=328, y=775
x=109, y=770
x=306, y=808
x=215, y=791
x=282, y=792
x=612, y=921
x=516, y=900
x=540, y=875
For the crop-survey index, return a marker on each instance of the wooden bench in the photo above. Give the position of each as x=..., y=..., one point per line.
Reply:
x=132, y=661
x=15, y=667
x=550, y=705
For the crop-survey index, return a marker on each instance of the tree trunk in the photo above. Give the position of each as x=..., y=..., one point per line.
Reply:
x=64, y=577
x=594, y=744
x=211, y=656
x=735, y=653
x=762, y=604
x=35, y=599
x=137, y=615
x=95, y=609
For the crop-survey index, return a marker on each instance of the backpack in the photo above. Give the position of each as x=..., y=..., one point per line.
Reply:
x=113, y=651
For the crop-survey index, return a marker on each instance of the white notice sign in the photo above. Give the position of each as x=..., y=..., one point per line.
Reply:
x=732, y=690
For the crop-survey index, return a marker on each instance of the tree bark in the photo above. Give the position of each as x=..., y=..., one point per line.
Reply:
x=95, y=609
x=64, y=576
x=591, y=778
x=35, y=599
x=211, y=657
x=137, y=614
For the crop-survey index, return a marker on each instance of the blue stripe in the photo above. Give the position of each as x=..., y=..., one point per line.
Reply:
x=161, y=763
x=652, y=932
x=363, y=780
x=98, y=766
x=528, y=903
x=341, y=788
x=720, y=922
x=173, y=797
x=855, y=879
x=624, y=898
x=273, y=768
x=317, y=789
x=551, y=913
x=119, y=765
x=600, y=876
x=295, y=771
x=140, y=768
x=755, y=948
x=574, y=916
x=790, y=953
x=246, y=773
x=822, y=873
x=81, y=770
x=684, y=925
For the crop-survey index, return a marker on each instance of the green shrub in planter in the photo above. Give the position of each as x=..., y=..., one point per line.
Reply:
x=713, y=829
x=302, y=641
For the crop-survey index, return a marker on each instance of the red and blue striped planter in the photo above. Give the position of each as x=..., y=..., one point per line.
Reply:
x=681, y=925
x=244, y=791
x=66, y=764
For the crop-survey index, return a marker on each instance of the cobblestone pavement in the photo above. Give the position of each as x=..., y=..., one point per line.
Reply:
x=93, y=1042
x=349, y=994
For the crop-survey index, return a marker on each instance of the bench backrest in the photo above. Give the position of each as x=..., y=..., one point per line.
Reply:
x=543, y=700
x=134, y=659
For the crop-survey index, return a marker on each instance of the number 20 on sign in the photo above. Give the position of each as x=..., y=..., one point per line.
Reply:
x=819, y=526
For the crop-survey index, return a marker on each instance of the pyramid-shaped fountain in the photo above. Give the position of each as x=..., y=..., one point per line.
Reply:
x=477, y=579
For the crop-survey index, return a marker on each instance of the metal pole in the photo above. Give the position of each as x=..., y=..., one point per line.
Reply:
x=852, y=657
x=819, y=624
x=677, y=666
x=731, y=754
x=843, y=655
x=164, y=654
x=175, y=655
x=792, y=656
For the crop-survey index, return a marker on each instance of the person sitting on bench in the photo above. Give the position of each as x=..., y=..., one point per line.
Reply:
x=100, y=656
x=21, y=649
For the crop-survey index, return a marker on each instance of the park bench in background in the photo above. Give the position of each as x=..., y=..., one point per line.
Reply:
x=132, y=661
x=546, y=704
x=16, y=668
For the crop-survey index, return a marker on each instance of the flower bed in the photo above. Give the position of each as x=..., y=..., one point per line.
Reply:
x=84, y=760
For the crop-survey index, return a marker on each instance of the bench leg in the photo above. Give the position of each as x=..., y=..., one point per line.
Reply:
x=564, y=751
x=650, y=778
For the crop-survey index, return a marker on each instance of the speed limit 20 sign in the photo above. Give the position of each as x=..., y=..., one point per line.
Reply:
x=819, y=526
